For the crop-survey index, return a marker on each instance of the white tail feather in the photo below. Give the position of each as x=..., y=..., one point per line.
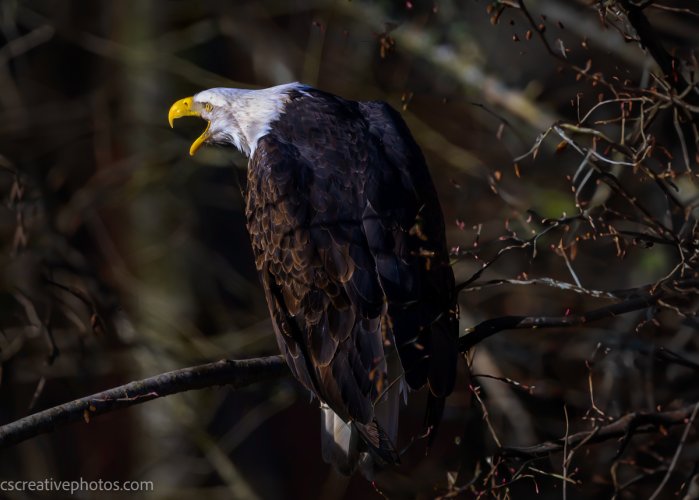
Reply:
x=339, y=441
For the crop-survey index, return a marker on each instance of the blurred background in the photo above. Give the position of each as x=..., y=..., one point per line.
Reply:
x=123, y=257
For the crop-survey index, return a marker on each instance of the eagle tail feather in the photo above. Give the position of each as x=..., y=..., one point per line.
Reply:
x=378, y=444
x=339, y=442
x=348, y=445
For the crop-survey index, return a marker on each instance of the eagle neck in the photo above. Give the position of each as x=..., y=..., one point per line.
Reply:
x=256, y=111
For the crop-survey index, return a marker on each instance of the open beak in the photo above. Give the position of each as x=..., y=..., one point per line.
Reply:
x=184, y=107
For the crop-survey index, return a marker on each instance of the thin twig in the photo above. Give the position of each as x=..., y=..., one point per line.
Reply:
x=565, y=454
x=676, y=456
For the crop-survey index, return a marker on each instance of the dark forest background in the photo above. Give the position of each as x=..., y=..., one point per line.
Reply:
x=562, y=137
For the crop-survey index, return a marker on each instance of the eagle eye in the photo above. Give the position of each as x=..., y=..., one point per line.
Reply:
x=209, y=107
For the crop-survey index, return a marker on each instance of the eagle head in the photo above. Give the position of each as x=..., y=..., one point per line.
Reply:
x=237, y=117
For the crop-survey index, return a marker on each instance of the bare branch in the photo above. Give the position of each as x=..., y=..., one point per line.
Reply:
x=626, y=426
x=676, y=456
x=236, y=373
x=487, y=328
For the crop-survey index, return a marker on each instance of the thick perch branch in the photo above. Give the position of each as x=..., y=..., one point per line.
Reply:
x=225, y=372
x=245, y=372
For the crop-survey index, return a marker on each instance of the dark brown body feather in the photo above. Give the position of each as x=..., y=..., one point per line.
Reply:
x=349, y=241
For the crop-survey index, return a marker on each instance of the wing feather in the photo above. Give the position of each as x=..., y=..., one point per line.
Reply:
x=415, y=272
x=325, y=274
x=341, y=213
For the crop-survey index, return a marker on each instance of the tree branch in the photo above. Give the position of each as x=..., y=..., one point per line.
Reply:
x=669, y=65
x=625, y=427
x=490, y=327
x=237, y=374
x=242, y=373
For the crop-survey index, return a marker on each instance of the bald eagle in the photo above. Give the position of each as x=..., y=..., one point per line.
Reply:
x=348, y=238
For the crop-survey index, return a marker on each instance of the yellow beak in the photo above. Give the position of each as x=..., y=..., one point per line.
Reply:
x=184, y=107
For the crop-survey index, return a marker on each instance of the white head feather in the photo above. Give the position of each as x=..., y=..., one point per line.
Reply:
x=241, y=117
